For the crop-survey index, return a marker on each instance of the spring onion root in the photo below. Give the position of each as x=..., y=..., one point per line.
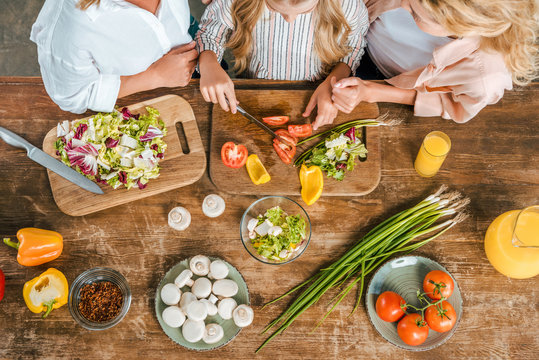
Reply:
x=401, y=233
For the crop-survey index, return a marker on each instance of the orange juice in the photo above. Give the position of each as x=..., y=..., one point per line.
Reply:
x=526, y=232
x=513, y=261
x=432, y=154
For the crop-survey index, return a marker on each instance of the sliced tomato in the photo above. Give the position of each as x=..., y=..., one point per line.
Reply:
x=233, y=156
x=286, y=151
x=276, y=120
x=300, y=130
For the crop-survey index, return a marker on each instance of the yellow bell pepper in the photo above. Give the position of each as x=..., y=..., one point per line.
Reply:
x=312, y=183
x=256, y=170
x=46, y=292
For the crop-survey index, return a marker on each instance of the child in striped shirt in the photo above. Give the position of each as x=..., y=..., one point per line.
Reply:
x=282, y=40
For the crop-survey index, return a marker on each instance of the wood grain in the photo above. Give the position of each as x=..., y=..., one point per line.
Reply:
x=284, y=178
x=494, y=160
x=181, y=166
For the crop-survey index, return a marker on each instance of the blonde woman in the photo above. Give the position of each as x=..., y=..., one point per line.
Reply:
x=284, y=40
x=448, y=58
x=93, y=51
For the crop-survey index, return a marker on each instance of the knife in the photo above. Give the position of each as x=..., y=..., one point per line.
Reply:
x=49, y=162
x=260, y=124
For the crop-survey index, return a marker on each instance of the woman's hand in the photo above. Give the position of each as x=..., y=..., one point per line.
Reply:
x=175, y=67
x=215, y=84
x=348, y=93
x=321, y=98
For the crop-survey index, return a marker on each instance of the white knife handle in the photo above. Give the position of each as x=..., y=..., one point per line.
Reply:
x=15, y=140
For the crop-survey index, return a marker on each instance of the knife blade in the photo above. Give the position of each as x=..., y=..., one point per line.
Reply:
x=49, y=162
x=260, y=124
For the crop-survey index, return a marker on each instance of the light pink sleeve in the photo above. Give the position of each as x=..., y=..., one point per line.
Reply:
x=215, y=27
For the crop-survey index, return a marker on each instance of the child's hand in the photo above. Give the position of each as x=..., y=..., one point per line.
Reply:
x=321, y=97
x=215, y=84
x=348, y=93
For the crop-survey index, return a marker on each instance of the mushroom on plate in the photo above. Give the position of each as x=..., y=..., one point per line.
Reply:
x=170, y=294
x=243, y=315
x=213, y=333
x=225, y=288
x=184, y=279
x=197, y=311
x=218, y=270
x=226, y=307
x=201, y=288
x=173, y=316
x=193, y=331
x=200, y=265
x=187, y=298
x=212, y=309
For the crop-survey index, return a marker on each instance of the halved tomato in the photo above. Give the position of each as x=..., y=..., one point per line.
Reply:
x=233, y=156
x=286, y=151
x=300, y=130
x=276, y=120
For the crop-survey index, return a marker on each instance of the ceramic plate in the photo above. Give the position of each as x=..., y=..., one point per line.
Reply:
x=404, y=275
x=230, y=329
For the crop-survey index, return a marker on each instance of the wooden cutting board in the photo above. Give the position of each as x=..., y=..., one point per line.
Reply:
x=182, y=165
x=284, y=178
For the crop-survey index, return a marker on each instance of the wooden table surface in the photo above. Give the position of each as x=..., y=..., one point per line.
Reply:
x=494, y=161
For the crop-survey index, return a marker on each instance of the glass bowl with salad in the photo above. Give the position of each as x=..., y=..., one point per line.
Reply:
x=275, y=230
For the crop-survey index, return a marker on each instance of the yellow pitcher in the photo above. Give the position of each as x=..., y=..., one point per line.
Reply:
x=512, y=243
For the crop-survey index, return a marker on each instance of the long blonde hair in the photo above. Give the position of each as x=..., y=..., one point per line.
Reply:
x=330, y=34
x=85, y=4
x=509, y=27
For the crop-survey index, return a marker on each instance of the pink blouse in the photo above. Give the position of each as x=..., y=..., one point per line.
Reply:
x=459, y=81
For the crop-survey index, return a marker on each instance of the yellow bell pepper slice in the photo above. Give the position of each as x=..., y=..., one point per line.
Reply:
x=256, y=170
x=46, y=292
x=312, y=183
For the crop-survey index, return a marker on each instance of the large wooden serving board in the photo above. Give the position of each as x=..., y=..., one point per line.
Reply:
x=182, y=165
x=284, y=178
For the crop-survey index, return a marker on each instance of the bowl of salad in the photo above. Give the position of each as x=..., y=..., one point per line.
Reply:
x=275, y=230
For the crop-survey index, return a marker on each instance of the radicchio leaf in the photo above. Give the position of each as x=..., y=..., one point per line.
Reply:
x=154, y=147
x=80, y=130
x=141, y=185
x=351, y=133
x=85, y=157
x=111, y=143
x=122, y=177
x=126, y=113
x=340, y=166
x=152, y=133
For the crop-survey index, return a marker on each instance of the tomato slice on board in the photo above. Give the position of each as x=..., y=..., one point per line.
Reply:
x=276, y=120
x=300, y=130
x=233, y=156
x=286, y=151
x=289, y=138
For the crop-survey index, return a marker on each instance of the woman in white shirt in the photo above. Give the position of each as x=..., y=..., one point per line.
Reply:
x=93, y=51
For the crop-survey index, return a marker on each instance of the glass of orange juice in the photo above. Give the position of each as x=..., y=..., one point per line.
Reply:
x=432, y=153
x=526, y=230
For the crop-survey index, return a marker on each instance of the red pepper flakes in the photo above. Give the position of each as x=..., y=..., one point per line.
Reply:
x=100, y=301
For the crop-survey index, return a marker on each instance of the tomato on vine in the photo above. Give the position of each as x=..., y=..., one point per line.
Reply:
x=413, y=330
x=437, y=284
x=441, y=317
x=390, y=306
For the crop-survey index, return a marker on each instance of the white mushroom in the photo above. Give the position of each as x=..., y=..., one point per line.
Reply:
x=275, y=231
x=170, y=294
x=193, y=331
x=213, y=299
x=173, y=316
x=187, y=298
x=243, y=315
x=197, y=311
x=184, y=279
x=252, y=224
x=226, y=307
x=212, y=309
x=201, y=288
x=218, y=270
x=213, y=333
x=213, y=205
x=200, y=265
x=225, y=288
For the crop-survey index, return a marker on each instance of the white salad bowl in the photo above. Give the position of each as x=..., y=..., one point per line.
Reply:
x=259, y=207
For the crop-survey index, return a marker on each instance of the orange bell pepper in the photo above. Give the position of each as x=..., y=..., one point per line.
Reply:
x=46, y=292
x=36, y=246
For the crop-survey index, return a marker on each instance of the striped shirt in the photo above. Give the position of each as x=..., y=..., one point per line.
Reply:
x=282, y=50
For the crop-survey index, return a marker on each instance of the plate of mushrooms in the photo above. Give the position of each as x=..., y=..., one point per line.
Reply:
x=202, y=303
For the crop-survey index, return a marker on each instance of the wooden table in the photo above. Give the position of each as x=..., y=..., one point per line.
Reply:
x=494, y=161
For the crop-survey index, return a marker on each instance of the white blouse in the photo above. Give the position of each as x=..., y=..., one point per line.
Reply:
x=82, y=54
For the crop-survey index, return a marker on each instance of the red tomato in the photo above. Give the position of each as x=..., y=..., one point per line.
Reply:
x=437, y=284
x=300, y=130
x=291, y=139
x=233, y=155
x=285, y=151
x=388, y=306
x=441, y=318
x=276, y=120
x=412, y=330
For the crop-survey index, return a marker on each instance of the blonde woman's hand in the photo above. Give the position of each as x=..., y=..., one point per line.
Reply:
x=321, y=98
x=215, y=84
x=175, y=67
x=348, y=93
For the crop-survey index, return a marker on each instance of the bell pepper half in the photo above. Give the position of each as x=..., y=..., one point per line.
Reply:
x=46, y=292
x=312, y=183
x=36, y=246
x=256, y=170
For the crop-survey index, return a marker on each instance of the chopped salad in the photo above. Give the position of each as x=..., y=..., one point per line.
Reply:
x=338, y=153
x=276, y=235
x=117, y=148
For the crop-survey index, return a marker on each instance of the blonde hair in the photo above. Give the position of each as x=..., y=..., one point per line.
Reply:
x=330, y=35
x=85, y=4
x=509, y=27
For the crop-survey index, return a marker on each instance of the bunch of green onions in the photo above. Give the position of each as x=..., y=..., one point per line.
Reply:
x=394, y=235
x=340, y=129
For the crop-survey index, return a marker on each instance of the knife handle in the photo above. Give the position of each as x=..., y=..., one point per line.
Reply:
x=14, y=140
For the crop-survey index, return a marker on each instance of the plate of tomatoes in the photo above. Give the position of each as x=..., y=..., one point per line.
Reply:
x=414, y=303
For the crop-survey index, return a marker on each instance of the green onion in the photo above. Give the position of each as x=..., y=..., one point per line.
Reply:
x=394, y=235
